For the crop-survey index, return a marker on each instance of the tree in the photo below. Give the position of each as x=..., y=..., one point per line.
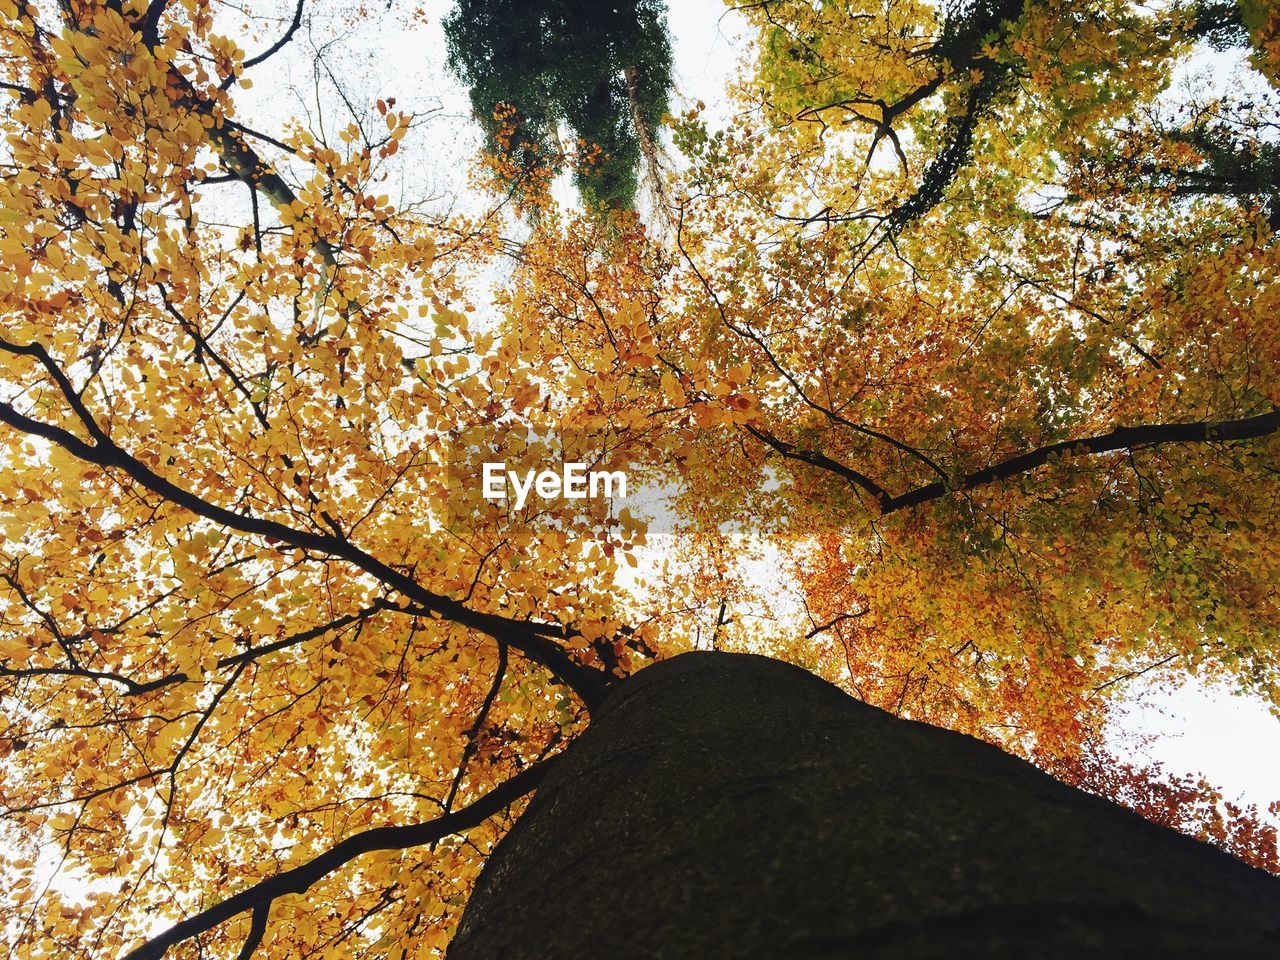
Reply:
x=1003, y=347
x=988, y=538
x=732, y=805
x=604, y=70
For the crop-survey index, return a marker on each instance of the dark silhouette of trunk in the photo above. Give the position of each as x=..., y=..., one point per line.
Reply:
x=725, y=805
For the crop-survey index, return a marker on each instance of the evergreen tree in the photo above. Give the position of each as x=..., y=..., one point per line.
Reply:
x=600, y=69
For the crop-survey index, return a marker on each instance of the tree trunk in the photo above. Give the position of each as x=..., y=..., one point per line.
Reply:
x=725, y=805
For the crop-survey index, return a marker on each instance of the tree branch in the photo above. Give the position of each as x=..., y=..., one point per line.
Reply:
x=468, y=751
x=1121, y=438
x=261, y=895
x=257, y=927
x=748, y=334
x=822, y=461
x=279, y=44
x=529, y=638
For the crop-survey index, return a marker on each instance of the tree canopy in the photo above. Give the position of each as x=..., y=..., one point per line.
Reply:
x=603, y=70
x=965, y=328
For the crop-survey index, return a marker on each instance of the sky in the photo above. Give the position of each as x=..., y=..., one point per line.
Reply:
x=1195, y=728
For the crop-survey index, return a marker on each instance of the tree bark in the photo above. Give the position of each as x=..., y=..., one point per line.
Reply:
x=726, y=805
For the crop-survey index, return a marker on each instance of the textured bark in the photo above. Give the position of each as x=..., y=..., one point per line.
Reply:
x=733, y=806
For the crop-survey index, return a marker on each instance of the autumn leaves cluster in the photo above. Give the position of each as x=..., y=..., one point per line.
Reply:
x=873, y=331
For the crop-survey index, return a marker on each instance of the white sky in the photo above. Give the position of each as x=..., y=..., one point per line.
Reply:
x=1197, y=728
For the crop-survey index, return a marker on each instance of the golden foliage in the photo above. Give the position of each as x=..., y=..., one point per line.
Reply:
x=961, y=330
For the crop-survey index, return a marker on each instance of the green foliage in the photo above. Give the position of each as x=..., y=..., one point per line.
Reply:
x=601, y=70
